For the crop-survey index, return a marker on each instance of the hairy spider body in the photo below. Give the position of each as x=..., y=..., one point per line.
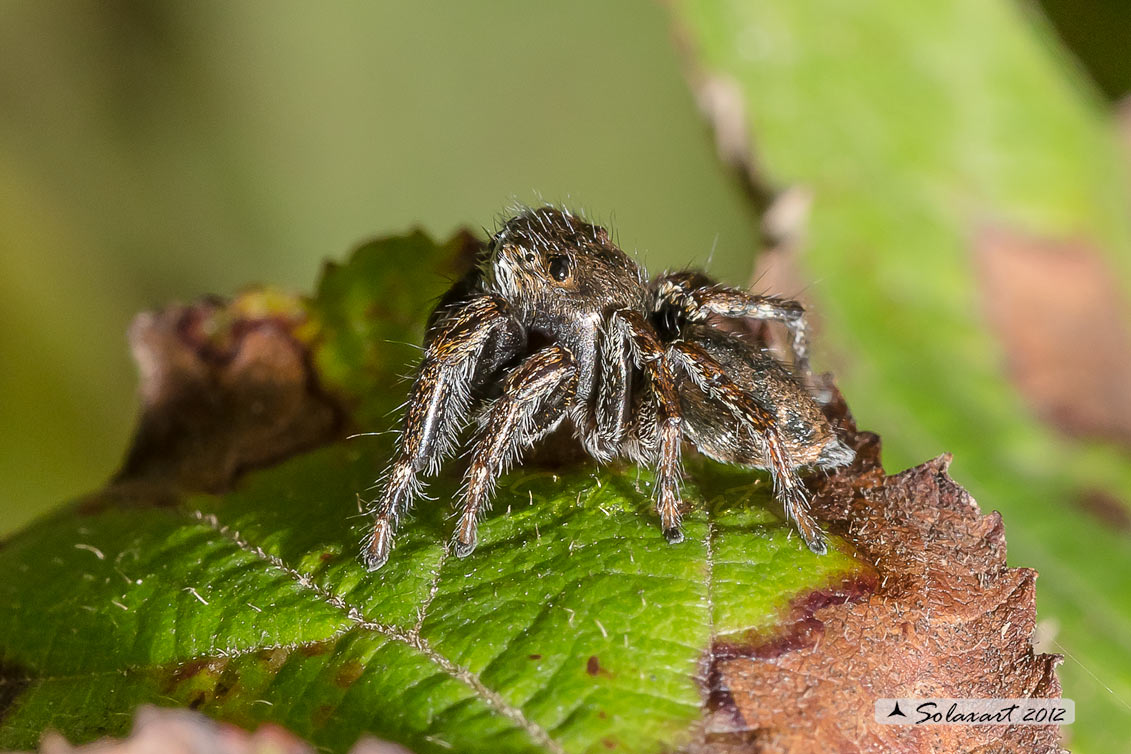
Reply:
x=556, y=324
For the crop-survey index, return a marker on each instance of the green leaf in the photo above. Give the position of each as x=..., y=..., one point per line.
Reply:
x=916, y=126
x=573, y=627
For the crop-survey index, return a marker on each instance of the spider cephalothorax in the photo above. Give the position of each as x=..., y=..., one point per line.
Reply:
x=556, y=324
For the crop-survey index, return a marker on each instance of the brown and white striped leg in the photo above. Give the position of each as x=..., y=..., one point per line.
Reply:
x=739, y=304
x=710, y=377
x=700, y=297
x=611, y=417
x=649, y=354
x=533, y=402
x=436, y=410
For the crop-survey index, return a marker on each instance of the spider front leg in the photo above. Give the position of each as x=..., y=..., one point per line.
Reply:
x=649, y=354
x=437, y=406
x=533, y=403
x=609, y=422
x=710, y=378
x=701, y=297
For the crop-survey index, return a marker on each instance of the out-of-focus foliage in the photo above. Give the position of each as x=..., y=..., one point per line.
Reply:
x=153, y=152
x=965, y=122
x=1097, y=33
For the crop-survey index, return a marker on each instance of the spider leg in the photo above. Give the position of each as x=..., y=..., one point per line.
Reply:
x=535, y=395
x=649, y=354
x=706, y=373
x=701, y=297
x=437, y=408
x=607, y=425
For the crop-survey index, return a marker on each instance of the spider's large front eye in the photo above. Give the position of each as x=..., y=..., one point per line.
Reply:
x=559, y=268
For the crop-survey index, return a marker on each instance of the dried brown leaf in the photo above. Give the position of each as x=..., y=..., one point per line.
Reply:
x=945, y=618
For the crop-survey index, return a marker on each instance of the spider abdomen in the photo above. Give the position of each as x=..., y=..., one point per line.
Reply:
x=711, y=424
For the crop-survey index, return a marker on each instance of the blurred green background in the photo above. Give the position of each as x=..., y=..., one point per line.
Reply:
x=157, y=152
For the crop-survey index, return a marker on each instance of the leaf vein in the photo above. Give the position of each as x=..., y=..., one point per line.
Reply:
x=422, y=611
x=491, y=697
x=213, y=656
x=710, y=585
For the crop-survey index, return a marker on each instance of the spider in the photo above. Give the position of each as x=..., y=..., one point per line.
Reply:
x=556, y=324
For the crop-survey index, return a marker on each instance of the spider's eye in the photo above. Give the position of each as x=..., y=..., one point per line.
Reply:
x=559, y=268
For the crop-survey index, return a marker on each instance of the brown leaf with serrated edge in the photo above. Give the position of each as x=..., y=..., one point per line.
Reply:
x=946, y=618
x=1063, y=324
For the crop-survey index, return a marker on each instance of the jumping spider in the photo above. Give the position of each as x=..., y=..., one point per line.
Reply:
x=558, y=324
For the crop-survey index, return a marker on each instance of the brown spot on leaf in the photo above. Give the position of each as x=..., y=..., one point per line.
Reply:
x=945, y=618
x=225, y=386
x=535, y=657
x=348, y=673
x=1063, y=322
x=593, y=666
x=197, y=678
x=14, y=678
x=273, y=659
x=321, y=714
x=228, y=683
x=190, y=669
x=316, y=648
